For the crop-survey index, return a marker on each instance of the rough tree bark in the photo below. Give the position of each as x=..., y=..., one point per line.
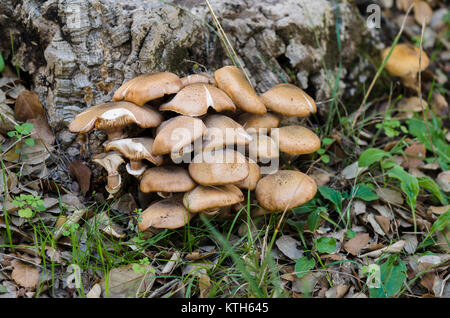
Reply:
x=78, y=52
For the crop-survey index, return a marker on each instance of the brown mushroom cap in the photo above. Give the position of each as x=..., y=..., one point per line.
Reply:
x=177, y=132
x=115, y=116
x=194, y=100
x=252, y=179
x=223, y=131
x=218, y=167
x=232, y=80
x=289, y=100
x=111, y=162
x=256, y=122
x=164, y=214
x=204, y=78
x=148, y=87
x=404, y=60
x=203, y=198
x=135, y=149
x=285, y=189
x=166, y=179
x=263, y=148
x=297, y=140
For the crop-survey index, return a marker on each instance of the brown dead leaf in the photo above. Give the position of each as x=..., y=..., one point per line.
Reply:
x=354, y=245
x=95, y=292
x=28, y=106
x=440, y=105
x=439, y=209
x=427, y=280
x=321, y=179
x=422, y=12
x=82, y=174
x=25, y=275
x=390, y=196
x=403, y=5
x=415, y=153
x=393, y=248
x=337, y=291
x=384, y=222
x=443, y=180
x=123, y=281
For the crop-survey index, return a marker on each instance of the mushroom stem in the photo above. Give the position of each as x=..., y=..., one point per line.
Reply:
x=165, y=195
x=136, y=164
x=136, y=167
x=114, y=133
x=114, y=183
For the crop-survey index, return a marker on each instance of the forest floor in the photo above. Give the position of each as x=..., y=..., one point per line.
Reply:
x=379, y=225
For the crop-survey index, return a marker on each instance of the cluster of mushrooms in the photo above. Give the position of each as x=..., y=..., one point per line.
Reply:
x=200, y=162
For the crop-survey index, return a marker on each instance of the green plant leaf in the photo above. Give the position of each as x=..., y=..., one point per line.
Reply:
x=26, y=128
x=364, y=192
x=2, y=63
x=430, y=185
x=326, y=244
x=408, y=184
x=333, y=196
x=26, y=213
x=29, y=142
x=313, y=220
x=303, y=265
x=393, y=275
x=370, y=156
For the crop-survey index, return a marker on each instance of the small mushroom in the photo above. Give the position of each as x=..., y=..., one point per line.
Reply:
x=194, y=100
x=164, y=214
x=204, y=78
x=253, y=177
x=289, y=100
x=404, y=63
x=208, y=199
x=148, y=87
x=232, y=80
x=111, y=162
x=219, y=167
x=263, y=148
x=135, y=149
x=165, y=180
x=285, y=189
x=223, y=131
x=297, y=140
x=254, y=122
x=113, y=117
x=176, y=133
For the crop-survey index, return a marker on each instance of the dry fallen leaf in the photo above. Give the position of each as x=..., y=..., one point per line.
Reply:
x=390, y=196
x=29, y=109
x=25, y=275
x=411, y=243
x=82, y=174
x=352, y=171
x=125, y=282
x=415, y=153
x=288, y=246
x=394, y=248
x=95, y=292
x=443, y=180
x=384, y=223
x=321, y=179
x=422, y=12
x=439, y=209
x=337, y=291
x=354, y=245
